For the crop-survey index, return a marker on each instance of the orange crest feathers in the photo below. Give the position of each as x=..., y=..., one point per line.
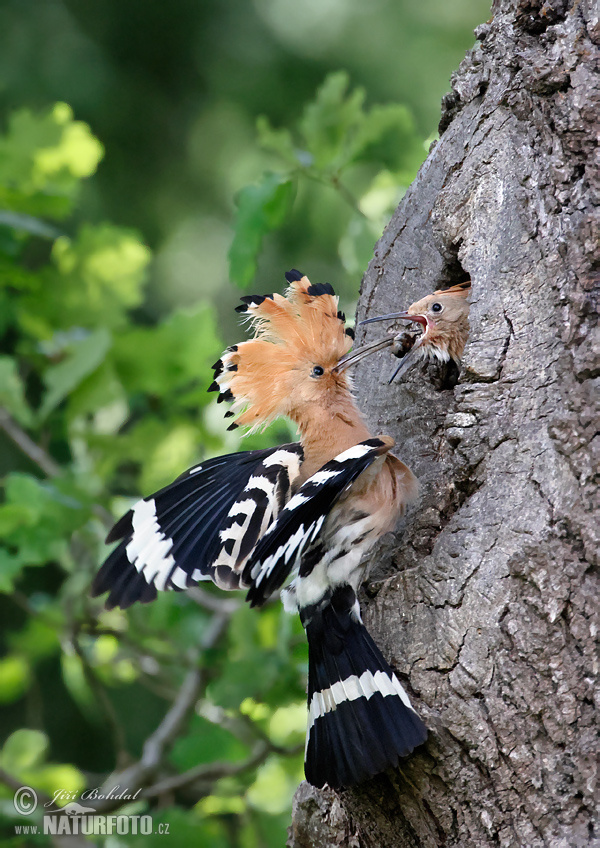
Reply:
x=292, y=334
x=461, y=289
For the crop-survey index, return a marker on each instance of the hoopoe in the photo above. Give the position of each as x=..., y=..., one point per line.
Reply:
x=444, y=316
x=311, y=509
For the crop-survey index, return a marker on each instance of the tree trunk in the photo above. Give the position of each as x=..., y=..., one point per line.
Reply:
x=486, y=601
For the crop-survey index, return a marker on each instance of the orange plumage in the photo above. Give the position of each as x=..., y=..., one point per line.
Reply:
x=310, y=512
x=287, y=369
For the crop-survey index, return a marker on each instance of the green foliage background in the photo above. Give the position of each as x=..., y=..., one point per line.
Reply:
x=154, y=159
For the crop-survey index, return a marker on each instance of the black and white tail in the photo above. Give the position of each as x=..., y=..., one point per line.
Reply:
x=360, y=720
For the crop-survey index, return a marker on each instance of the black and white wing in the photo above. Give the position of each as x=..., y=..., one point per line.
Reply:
x=203, y=526
x=279, y=551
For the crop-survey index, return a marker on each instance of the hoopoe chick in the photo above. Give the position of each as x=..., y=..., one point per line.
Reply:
x=310, y=510
x=444, y=317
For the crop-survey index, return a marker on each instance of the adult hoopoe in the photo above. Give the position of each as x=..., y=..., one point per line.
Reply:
x=312, y=509
x=444, y=316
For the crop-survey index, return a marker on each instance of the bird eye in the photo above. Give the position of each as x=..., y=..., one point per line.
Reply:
x=436, y=307
x=317, y=371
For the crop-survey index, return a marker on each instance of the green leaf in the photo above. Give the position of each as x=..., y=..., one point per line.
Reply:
x=14, y=678
x=98, y=275
x=101, y=397
x=84, y=357
x=24, y=749
x=288, y=724
x=43, y=157
x=277, y=141
x=219, y=805
x=37, y=639
x=55, y=514
x=185, y=829
x=273, y=789
x=13, y=516
x=256, y=661
x=176, y=450
x=166, y=358
x=205, y=743
x=355, y=247
x=12, y=395
x=76, y=682
x=91, y=281
x=48, y=778
x=261, y=208
x=339, y=131
x=328, y=120
x=10, y=568
x=376, y=124
x=382, y=196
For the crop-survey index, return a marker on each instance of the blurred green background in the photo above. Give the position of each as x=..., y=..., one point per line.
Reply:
x=155, y=159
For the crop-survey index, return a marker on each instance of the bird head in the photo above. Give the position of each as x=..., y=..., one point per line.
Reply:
x=444, y=319
x=444, y=316
x=289, y=365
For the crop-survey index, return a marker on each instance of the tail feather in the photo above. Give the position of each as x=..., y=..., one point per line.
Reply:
x=360, y=718
x=349, y=722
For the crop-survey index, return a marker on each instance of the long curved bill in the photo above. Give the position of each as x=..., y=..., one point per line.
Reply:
x=415, y=352
x=356, y=355
x=406, y=316
x=407, y=360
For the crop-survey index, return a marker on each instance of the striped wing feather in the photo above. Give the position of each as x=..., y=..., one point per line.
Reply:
x=202, y=526
x=289, y=538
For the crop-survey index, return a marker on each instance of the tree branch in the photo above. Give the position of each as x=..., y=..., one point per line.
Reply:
x=156, y=745
x=212, y=602
x=14, y=783
x=209, y=772
x=35, y=453
x=161, y=740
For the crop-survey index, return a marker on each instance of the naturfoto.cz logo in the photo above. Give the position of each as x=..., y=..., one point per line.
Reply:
x=76, y=819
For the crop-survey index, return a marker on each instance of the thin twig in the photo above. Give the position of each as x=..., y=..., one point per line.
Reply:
x=347, y=195
x=14, y=783
x=104, y=702
x=336, y=184
x=212, y=602
x=161, y=740
x=156, y=745
x=35, y=453
x=209, y=772
x=35, y=226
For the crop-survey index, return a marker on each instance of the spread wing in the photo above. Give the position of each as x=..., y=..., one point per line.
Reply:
x=203, y=526
x=280, y=550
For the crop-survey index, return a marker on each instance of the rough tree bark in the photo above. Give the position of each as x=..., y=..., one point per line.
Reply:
x=487, y=600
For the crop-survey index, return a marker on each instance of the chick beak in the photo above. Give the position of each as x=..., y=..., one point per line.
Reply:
x=407, y=360
x=405, y=316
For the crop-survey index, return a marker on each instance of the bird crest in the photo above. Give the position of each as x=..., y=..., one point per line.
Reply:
x=298, y=339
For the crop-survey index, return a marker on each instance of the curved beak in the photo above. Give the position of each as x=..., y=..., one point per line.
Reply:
x=408, y=359
x=405, y=316
x=360, y=352
x=415, y=352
